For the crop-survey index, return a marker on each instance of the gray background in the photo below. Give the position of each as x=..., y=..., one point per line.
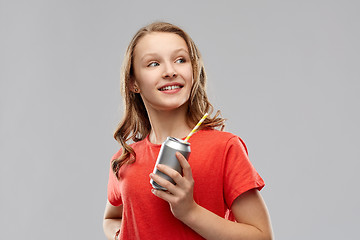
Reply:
x=285, y=73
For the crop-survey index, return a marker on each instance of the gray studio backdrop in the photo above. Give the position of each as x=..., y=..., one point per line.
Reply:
x=284, y=73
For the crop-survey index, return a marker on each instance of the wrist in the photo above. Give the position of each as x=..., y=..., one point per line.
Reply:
x=191, y=214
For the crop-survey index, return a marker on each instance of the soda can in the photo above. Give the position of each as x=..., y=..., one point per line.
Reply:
x=167, y=157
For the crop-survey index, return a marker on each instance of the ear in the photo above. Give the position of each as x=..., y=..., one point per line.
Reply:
x=133, y=86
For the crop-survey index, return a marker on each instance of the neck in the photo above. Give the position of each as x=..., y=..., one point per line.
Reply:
x=168, y=123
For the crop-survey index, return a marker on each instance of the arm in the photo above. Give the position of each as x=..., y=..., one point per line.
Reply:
x=112, y=220
x=249, y=209
x=252, y=218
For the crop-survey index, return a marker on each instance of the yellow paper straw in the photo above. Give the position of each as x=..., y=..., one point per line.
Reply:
x=196, y=127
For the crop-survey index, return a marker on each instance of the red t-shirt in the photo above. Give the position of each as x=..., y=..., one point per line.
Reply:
x=221, y=171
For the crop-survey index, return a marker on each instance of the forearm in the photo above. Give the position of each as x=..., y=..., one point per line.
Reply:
x=211, y=226
x=111, y=226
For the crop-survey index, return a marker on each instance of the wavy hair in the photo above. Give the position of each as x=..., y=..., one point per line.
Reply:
x=135, y=124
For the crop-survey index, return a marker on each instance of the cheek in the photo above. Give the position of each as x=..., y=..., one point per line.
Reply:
x=144, y=79
x=189, y=75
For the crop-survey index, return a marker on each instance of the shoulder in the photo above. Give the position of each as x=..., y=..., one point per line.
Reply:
x=136, y=146
x=220, y=139
x=213, y=135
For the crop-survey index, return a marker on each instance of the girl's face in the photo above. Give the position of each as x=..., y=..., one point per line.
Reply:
x=163, y=71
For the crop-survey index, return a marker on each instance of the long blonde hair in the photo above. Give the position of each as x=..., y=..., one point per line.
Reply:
x=135, y=124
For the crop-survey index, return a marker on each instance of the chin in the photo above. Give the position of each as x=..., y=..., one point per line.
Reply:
x=175, y=106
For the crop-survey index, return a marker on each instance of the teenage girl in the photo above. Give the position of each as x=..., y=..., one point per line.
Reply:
x=217, y=196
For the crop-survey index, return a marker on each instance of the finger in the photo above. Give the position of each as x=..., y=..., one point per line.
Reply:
x=163, y=195
x=185, y=165
x=172, y=173
x=163, y=182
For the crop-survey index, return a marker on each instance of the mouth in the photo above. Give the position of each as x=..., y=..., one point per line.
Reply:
x=170, y=87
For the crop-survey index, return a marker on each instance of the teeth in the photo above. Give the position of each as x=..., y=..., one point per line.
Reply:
x=169, y=88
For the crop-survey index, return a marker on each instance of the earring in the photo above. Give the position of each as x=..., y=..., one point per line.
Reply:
x=136, y=90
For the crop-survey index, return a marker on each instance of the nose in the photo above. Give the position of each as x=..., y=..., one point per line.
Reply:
x=169, y=71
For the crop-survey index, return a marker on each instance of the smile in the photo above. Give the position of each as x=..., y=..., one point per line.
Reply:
x=166, y=88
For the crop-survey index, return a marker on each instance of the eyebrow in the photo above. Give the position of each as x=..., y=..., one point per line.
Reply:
x=174, y=52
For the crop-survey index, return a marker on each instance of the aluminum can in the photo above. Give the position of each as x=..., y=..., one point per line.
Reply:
x=167, y=157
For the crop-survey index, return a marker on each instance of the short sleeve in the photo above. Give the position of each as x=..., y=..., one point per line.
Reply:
x=113, y=192
x=239, y=174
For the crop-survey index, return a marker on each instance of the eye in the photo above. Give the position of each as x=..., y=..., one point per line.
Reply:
x=180, y=60
x=153, y=64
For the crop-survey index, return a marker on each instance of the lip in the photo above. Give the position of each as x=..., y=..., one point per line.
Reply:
x=171, y=84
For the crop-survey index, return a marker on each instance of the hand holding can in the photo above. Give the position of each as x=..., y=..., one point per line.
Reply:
x=167, y=157
x=167, y=154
